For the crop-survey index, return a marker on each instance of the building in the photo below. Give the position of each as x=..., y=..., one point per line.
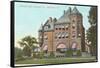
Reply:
x=59, y=35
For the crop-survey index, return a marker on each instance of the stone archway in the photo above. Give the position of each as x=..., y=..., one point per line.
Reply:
x=45, y=48
x=61, y=48
x=74, y=46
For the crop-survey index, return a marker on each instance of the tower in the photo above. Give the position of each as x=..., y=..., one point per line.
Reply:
x=77, y=31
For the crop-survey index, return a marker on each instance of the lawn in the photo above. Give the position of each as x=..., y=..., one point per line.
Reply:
x=55, y=60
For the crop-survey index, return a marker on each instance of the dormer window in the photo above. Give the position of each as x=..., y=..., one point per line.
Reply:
x=48, y=26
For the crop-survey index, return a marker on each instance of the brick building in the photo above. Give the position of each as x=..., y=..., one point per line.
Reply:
x=59, y=35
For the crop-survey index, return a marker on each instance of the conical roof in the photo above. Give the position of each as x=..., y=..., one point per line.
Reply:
x=65, y=16
x=75, y=11
x=68, y=11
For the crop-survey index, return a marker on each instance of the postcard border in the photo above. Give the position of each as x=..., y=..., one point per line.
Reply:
x=12, y=36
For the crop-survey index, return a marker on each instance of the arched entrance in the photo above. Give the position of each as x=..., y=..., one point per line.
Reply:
x=45, y=48
x=74, y=46
x=61, y=48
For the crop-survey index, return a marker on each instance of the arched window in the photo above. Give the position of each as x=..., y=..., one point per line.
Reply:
x=45, y=48
x=74, y=46
x=73, y=25
x=61, y=48
x=73, y=34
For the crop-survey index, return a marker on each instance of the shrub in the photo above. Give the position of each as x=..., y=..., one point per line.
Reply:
x=38, y=55
x=78, y=53
x=51, y=55
x=69, y=53
x=19, y=58
x=41, y=55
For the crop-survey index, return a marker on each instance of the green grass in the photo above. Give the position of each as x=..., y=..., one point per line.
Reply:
x=54, y=60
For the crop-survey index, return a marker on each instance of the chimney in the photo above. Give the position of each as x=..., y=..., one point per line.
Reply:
x=64, y=11
x=50, y=19
x=54, y=20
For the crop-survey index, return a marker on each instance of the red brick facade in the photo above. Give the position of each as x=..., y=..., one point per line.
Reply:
x=64, y=33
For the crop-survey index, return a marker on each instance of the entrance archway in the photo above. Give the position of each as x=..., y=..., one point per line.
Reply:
x=74, y=46
x=45, y=48
x=61, y=48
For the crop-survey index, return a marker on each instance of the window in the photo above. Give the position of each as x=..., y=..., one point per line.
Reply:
x=63, y=34
x=45, y=36
x=58, y=35
x=73, y=25
x=73, y=21
x=49, y=26
x=66, y=27
x=66, y=35
x=46, y=27
x=63, y=28
x=61, y=48
x=73, y=33
x=45, y=48
x=74, y=46
x=56, y=28
x=59, y=28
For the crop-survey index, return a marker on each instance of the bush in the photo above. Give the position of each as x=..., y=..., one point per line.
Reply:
x=18, y=52
x=51, y=55
x=41, y=55
x=69, y=53
x=27, y=51
x=78, y=53
x=38, y=55
x=19, y=58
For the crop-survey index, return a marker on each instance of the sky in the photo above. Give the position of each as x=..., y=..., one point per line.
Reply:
x=30, y=16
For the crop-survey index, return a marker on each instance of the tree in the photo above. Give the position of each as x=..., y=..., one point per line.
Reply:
x=28, y=45
x=92, y=31
x=27, y=51
x=18, y=52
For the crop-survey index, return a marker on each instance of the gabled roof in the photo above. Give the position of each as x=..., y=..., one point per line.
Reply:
x=49, y=25
x=41, y=27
